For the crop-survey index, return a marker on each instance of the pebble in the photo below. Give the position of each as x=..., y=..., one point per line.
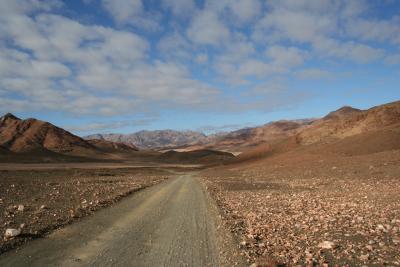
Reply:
x=364, y=257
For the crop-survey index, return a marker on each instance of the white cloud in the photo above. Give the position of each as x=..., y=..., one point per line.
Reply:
x=229, y=63
x=27, y=6
x=325, y=25
x=130, y=12
x=297, y=26
x=242, y=11
x=357, y=52
x=246, y=10
x=48, y=69
x=375, y=30
x=207, y=29
x=56, y=63
x=258, y=68
x=286, y=56
x=174, y=45
x=123, y=10
x=53, y=62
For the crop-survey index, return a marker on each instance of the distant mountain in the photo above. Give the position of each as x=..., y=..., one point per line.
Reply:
x=379, y=125
x=244, y=139
x=39, y=138
x=108, y=146
x=153, y=139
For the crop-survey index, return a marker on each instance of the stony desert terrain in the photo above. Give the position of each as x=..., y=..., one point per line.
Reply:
x=321, y=192
x=329, y=195
x=38, y=201
x=313, y=209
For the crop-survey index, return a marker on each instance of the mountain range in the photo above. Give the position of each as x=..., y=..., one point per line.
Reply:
x=153, y=139
x=336, y=125
x=346, y=130
x=33, y=140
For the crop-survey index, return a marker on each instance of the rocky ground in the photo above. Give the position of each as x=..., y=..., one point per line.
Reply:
x=32, y=203
x=313, y=209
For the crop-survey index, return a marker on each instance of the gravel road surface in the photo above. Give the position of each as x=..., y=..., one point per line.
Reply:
x=165, y=225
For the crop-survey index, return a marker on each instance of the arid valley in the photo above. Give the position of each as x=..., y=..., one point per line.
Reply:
x=199, y=133
x=322, y=191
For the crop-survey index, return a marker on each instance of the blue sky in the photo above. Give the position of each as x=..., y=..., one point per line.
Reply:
x=125, y=65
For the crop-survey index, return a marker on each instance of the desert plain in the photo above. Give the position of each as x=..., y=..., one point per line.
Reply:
x=317, y=192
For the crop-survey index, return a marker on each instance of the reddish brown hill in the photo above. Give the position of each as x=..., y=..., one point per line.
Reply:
x=249, y=139
x=18, y=135
x=345, y=132
x=343, y=112
x=347, y=122
x=360, y=144
x=36, y=140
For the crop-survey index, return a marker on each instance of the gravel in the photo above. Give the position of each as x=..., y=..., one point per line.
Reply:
x=298, y=211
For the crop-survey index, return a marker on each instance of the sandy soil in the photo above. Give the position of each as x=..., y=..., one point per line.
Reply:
x=313, y=209
x=43, y=200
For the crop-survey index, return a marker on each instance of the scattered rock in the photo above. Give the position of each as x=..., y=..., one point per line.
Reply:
x=43, y=199
x=10, y=233
x=351, y=219
x=380, y=227
x=326, y=245
x=364, y=257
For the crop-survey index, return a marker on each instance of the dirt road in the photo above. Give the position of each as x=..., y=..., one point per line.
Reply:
x=165, y=225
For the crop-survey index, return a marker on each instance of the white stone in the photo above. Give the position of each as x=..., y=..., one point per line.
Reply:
x=380, y=227
x=326, y=245
x=10, y=232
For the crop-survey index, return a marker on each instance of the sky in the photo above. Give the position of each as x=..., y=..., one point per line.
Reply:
x=120, y=66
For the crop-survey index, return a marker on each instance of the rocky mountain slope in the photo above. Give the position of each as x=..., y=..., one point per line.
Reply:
x=40, y=138
x=244, y=139
x=153, y=139
x=233, y=141
x=109, y=146
x=346, y=131
x=344, y=122
x=348, y=121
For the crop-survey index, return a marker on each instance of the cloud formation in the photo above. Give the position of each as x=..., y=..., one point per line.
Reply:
x=179, y=55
